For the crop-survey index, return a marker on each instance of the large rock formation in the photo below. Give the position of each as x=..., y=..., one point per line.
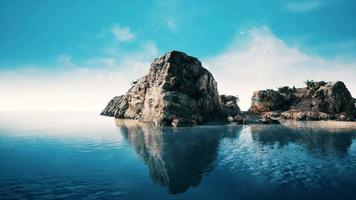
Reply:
x=177, y=91
x=318, y=101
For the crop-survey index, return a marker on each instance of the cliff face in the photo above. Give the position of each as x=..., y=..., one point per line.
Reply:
x=320, y=100
x=177, y=91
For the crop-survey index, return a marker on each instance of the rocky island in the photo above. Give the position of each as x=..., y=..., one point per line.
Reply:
x=317, y=101
x=177, y=91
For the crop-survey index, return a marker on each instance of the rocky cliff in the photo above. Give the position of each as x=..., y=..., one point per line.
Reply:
x=318, y=101
x=177, y=91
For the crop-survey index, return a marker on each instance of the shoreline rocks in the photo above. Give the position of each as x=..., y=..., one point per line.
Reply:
x=318, y=101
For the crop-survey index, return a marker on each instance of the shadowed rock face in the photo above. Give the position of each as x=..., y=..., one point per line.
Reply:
x=318, y=101
x=177, y=91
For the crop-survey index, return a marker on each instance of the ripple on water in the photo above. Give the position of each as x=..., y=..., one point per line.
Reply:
x=292, y=164
x=78, y=161
x=60, y=188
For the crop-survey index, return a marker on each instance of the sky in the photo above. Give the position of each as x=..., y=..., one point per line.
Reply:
x=77, y=55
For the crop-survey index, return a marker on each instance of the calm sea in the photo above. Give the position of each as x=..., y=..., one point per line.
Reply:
x=81, y=155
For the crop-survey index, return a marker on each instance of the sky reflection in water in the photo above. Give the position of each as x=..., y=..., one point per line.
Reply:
x=82, y=155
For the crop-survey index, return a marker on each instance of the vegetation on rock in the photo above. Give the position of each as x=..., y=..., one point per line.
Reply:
x=318, y=101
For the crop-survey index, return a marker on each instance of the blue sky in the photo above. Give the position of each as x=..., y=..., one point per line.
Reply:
x=37, y=31
x=118, y=39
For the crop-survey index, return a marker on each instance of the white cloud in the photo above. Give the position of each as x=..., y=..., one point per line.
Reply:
x=122, y=33
x=87, y=85
x=302, y=6
x=257, y=59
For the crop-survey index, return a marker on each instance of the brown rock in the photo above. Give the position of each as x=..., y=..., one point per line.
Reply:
x=318, y=101
x=177, y=91
x=230, y=107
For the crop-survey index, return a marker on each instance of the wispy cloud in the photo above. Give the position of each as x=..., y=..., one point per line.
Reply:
x=171, y=24
x=303, y=6
x=257, y=59
x=64, y=60
x=122, y=33
x=78, y=85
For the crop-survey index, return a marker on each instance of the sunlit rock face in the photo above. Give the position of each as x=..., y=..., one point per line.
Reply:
x=318, y=101
x=177, y=158
x=177, y=91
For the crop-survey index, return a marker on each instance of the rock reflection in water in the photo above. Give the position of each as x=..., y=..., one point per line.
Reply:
x=326, y=137
x=177, y=158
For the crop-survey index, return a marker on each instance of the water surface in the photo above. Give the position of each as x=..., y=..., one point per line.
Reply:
x=81, y=155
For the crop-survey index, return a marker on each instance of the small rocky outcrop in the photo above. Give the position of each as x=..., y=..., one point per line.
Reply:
x=177, y=91
x=318, y=101
x=231, y=109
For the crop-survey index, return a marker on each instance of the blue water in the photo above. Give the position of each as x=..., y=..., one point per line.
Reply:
x=80, y=155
